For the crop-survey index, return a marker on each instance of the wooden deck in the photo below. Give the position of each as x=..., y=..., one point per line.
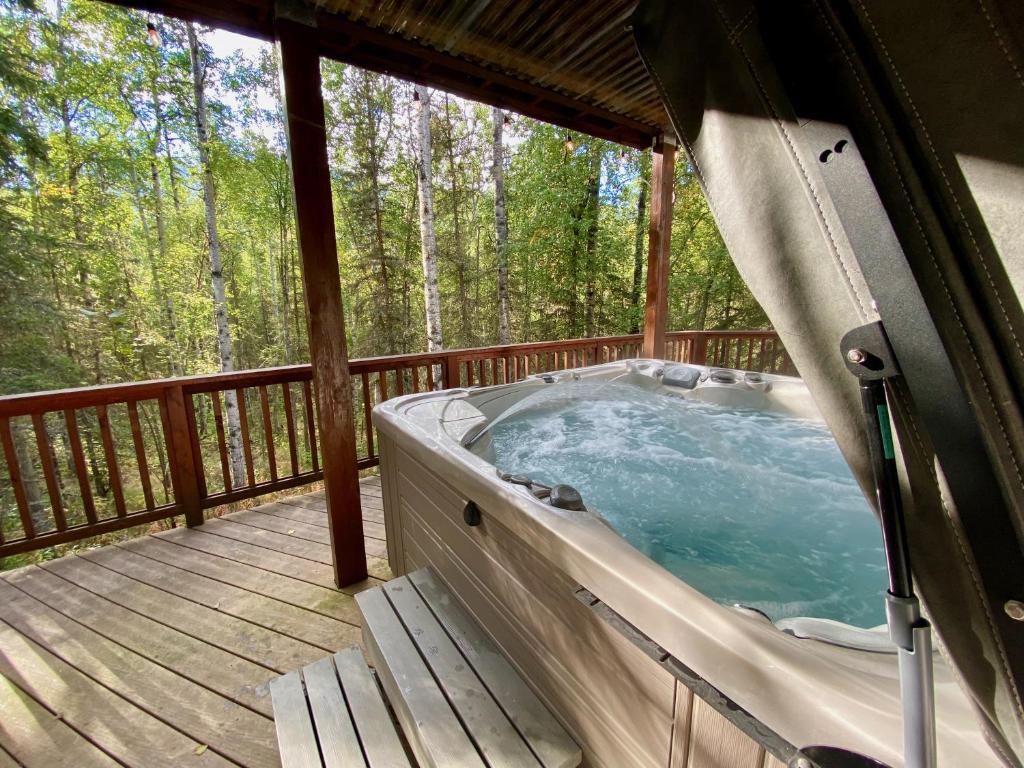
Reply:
x=158, y=651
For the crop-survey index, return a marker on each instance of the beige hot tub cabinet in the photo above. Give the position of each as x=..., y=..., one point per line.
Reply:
x=613, y=643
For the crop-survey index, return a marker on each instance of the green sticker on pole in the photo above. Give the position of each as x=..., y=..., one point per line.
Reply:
x=886, y=429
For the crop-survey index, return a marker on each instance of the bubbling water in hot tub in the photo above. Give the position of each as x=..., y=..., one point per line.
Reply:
x=746, y=506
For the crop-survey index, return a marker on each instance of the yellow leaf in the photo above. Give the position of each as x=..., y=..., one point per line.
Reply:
x=200, y=748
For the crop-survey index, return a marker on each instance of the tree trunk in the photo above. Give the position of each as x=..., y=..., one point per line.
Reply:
x=286, y=312
x=460, y=257
x=428, y=238
x=590, y=268
x=636, y=308
x=216, y=270
x=374, y=166
x=165, y=300
x=500, y=227
x=24, y=444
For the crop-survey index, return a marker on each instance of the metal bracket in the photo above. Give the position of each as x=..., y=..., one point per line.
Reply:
x=868, y=354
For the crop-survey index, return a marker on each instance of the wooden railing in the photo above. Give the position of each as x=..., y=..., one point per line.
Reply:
x=84, y=462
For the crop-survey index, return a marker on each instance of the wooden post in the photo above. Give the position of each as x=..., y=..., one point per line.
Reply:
x=699, y=349
x=185, y=469
x=314, y=215
x=659, y=240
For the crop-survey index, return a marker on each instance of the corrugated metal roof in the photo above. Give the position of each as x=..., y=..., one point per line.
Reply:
x=570, y=62
x=582, y=50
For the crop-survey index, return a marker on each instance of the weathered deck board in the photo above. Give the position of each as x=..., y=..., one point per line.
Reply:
x=312, y=514
x=106, y=719
x=300, y=548
x=159, y=651
x=282, y=618
x=250, y=641
x=38, y=738
x=234, y=678
x=319, y=599
x=233, y=730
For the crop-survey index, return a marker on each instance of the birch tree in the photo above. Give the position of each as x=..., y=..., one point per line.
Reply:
x=428, y=238
x=220, y=307
x=500, y=226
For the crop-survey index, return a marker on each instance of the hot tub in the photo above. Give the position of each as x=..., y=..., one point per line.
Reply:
x=617, y=615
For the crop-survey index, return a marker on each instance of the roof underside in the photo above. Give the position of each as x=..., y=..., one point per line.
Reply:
x=573, y=64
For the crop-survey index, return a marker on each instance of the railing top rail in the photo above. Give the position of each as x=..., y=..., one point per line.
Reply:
x=540, y=346
x=745, y=334
x=106, y=394
x=25, y=404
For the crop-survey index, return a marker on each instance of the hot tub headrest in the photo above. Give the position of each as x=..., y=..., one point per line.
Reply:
x=684, y=376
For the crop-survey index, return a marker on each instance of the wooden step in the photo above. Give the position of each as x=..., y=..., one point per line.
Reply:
x=331, y=714
x=458, y=699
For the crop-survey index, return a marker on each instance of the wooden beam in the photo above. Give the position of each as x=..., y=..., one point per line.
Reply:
x=314, y=215
x=659, y=248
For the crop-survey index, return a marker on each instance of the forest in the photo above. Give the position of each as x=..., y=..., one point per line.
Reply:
x=146, y=223
x=147, y=231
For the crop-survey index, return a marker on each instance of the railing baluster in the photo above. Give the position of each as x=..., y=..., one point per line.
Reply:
x=110, y=454
x=415, y=378
x=268, y=432
x=222, y=446
x=382, y=383
x=81, y=470
x=140, y=454
x=289, y=420
x=243, y=423
x=14, y=474
x=399, y=381
x=307, y=396
x=49, y=473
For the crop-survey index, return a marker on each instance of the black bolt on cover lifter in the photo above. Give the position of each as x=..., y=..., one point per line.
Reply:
x=869, y=357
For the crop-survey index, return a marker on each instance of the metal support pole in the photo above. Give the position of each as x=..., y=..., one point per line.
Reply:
x=869, y=357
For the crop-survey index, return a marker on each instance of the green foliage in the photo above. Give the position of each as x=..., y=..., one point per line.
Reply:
x=103, y=253
x=104, y=259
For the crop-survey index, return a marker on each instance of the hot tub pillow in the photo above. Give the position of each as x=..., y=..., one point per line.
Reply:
x=685, y=376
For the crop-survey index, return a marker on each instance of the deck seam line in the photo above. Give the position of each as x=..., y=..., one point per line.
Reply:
x=121, y=696
x=208, y=607
x=130, y=650
x=234, y=586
